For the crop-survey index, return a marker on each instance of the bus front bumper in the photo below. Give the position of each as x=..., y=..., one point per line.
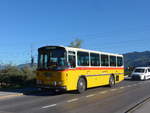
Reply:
x=52, y=87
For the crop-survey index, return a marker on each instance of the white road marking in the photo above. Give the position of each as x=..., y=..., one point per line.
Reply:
x=113, y=89
x=52, y=105
x=129, y=86
x=72, y=100
x=90, y=95
x=122, y=87
x=103, y=92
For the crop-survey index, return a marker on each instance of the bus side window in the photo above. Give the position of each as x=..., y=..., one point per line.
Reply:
x=104, y=60
x=119, y=61
x=83, y=58
x=72, y=61
x=112, y=60
x=95, y=59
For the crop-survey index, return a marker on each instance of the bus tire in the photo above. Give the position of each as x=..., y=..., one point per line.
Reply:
x=111, y=81
x=81, y=86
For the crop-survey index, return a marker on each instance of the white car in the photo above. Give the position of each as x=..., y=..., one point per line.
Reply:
x=141, y=73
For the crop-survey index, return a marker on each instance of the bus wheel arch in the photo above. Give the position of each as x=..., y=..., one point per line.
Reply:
x=81, y=84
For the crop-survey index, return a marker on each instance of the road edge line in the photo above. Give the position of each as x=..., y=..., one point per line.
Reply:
x=138, y=105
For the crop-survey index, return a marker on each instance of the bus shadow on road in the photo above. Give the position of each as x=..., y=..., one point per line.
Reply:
x=36, y=92
x=75, y=92
x=43, y=93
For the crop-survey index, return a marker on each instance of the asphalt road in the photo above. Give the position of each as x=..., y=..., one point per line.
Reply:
x=96, y=100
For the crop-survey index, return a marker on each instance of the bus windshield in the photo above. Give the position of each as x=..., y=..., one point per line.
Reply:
x=53, y=58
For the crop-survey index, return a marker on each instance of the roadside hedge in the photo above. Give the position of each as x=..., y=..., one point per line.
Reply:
x=12, y=76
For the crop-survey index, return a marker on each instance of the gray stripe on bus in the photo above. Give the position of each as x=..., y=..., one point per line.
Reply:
x=102, y=74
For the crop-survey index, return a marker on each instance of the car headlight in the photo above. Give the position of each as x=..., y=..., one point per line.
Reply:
x=141, y=75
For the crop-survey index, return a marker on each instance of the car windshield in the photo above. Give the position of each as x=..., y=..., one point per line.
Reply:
x=52, y=58
x=139, y=70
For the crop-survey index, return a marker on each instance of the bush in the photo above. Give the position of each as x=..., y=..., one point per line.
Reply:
x=12, y=76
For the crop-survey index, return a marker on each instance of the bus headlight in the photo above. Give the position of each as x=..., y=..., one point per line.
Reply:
x=55, y=83
x=38, y=81
x=60, y=83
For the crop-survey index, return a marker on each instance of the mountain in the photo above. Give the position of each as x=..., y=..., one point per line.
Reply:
x=27, y=65
x=2, y=66
x=135, y=59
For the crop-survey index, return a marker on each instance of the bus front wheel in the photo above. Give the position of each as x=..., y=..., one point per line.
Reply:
x=81, y=87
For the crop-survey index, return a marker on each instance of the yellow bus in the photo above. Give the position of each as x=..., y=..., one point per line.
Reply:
x=70, y=68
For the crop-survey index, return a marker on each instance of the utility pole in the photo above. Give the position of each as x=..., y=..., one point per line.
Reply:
x=32, y=57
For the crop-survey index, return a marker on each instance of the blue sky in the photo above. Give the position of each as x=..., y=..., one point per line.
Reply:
x=117, y=26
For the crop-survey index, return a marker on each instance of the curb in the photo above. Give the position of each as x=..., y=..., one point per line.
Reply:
x=11, y=95
x=18, y=94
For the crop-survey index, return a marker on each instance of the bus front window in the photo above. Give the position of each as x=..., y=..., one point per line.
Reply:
x=53, y=59
x=42, y=61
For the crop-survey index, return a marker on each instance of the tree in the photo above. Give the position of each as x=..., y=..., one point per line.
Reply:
x=77, y=43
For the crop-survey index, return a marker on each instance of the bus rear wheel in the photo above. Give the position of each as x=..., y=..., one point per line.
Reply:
x=81, y=86
x=112, y=81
